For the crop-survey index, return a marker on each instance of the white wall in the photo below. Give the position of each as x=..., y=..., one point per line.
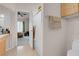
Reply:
x=54, y=42
x=52, y=9
x=73, y=30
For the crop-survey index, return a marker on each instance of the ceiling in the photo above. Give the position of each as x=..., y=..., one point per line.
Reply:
x=22, y=16
x=20, y=6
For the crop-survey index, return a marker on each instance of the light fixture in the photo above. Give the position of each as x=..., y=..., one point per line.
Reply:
x=1, y=15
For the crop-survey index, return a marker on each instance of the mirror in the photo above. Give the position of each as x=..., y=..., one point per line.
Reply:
x=2, y=20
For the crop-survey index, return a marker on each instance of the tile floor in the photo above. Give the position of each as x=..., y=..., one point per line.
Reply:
x=25, y=50
x=22, y=50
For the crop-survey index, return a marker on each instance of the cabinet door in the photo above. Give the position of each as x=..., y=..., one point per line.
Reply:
x=2, y=46
x=68, y=8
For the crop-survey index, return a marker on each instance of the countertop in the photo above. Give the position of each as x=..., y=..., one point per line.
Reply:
x=3, y=35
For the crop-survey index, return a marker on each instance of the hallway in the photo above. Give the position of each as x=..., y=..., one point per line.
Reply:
x=24, y=50
x=22, y=41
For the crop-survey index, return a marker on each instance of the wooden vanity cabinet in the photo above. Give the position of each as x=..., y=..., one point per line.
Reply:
x=2, y=46
x=68, y=9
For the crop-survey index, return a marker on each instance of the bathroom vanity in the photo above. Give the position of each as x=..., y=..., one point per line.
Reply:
x=3, y=39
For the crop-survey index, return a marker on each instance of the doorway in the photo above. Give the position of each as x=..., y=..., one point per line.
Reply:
x=22, y=28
